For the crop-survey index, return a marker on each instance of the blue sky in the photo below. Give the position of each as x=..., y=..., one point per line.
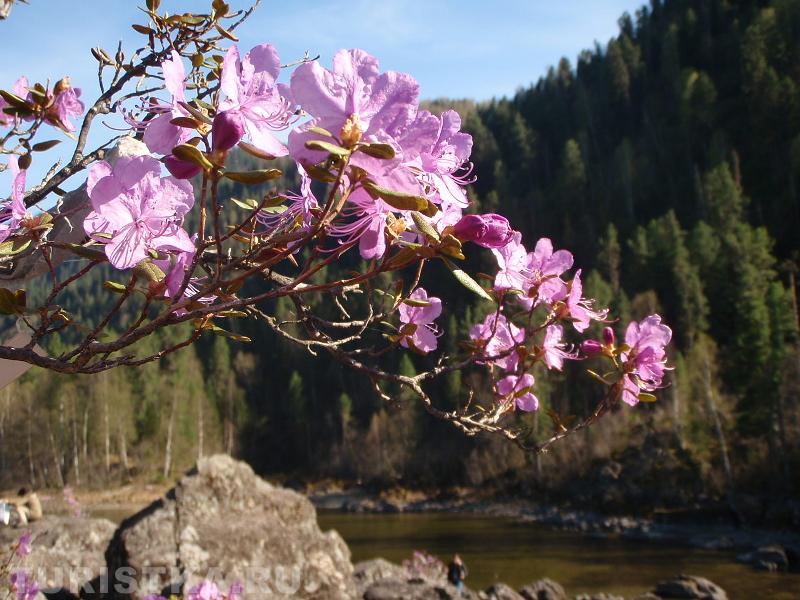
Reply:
x=456, y=48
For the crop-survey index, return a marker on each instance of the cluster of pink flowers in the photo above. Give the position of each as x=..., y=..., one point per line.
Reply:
x=20, y=584
x=399, y=150
x=207, y=590
x=58, y=107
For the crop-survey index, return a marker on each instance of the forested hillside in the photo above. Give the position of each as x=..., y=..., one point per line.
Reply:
x=668, y=160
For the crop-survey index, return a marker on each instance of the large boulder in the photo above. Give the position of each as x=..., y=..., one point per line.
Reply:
x=690, y=587
x=543, y=589
x=368, y=572
x=767, y=558
x=66, y=552
x=222, y=522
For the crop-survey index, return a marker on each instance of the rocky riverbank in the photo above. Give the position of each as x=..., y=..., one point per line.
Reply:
x=221, y=521
x=764, y=549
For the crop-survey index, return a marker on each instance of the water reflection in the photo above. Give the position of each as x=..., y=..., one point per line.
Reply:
x=503, y=550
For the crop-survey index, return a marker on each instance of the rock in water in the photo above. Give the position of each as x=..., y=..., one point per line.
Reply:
x=691, y=587
x=66, y=552
x=544, y=589
x=224, y=523
x=501, y=591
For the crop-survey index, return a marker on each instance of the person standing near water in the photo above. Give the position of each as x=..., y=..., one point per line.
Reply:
x=456, y=573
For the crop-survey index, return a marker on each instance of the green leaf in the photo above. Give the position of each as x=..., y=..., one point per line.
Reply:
x=253, y=151
x=645, y=397
x=233, y=314
x=247, y=204
x=320, y=131
x=468, y=282
x=12, y=303
x=415, y=302
x=253, y=177
x=424, y=226
x=42, y=146
x=400, y=200
x=149, y=271
x=12, y=247
x=115, y=287
x=319, y=173
x=83, y=251
x=383, y=151
x=193, y=155
x=14, y=100
x=327, y=147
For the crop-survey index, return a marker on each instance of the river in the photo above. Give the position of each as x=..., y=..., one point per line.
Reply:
x=497, y=549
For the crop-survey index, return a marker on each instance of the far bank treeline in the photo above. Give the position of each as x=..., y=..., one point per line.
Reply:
x=669, y=161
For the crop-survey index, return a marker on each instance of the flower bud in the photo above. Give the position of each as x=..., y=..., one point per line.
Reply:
x=489, y=230
x=351, y=131
x=61, y=85
x=608, y=336
x=227, y=130
x=181, y=169
x=591, y=347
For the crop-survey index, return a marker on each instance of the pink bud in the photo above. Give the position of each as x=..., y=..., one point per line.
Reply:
x=590, y=347
x=489, y=230
x=181, y=169
x=608, y=336
x=227, y=130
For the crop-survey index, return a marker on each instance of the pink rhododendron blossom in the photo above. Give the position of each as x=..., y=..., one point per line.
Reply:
x=19, y=89
x=554, y=350
x=644, y=364
x=13, y=210
x=298, y=210
x=205, y=591
x=181, y=169
x=226, y=130
x=23, y=586
x=499, y=336
x=591, y=347
x=251, y=93
x=24, y=544
x=176, y=269
x=66, y=105
x=489, y=230
x=236, y=591
x=160, y=134
x=136, y=210
x=546, y=267
x=435, y=150
x=423, y=336
x=512, y=260
x=356, y=102
x=519, y=390
x=364, y=221
x=579, y=308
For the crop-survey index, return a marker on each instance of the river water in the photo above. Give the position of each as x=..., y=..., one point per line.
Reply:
x=497, y=549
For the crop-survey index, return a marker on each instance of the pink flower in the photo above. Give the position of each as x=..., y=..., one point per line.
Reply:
x=512, y=260
x=554, y=350
x=644, y=364
x=23, y=586
x=364, y=219
x=160, y=134
x=226, y=130
x=251, y=92
x=24, y=544
x=435, y=149
x=13, y=210
x=356, y=102
x=499, y=336
x=205, y=591
x=66, y=105
x=580, y=309
x=298, y=212
x=418, y=330
x=236, y=591
x=489, y=230
x=136, y=210
x=518, y=389
x=546, y=267
x=20, y=89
